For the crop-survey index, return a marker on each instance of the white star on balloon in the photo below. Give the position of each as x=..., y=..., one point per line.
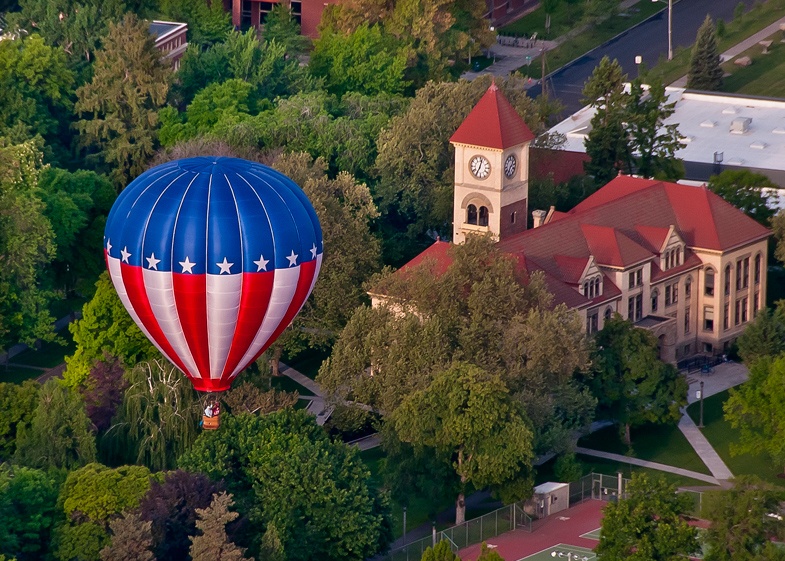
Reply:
x=125, y=254
x=187, y=265
x=292, y=259
x=108, y=246
x=152, y=262
x=313, y=251
x=225, y=266
x=261, y=265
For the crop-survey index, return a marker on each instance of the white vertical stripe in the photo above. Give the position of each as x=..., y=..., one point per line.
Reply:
x=223, y=307
x=160, y=293
x=284, y=287
x=119, y=286
x=315, y=276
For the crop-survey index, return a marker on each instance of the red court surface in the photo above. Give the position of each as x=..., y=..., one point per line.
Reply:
x=564, y=527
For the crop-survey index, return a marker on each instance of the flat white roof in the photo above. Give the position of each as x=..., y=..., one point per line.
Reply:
x=545, y=488
x=704, y=119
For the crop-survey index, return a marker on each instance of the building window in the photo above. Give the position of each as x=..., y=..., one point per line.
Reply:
x=632, y=280
x=687, y=350
x=708, y=288
x=688, y=288
x=635, y=307
x=678, y=256
x=757, y=269
x=608, y=313
x=592, y=323
x=745, y=278
x=738, y=276
x=755, y=304
x=639, y=277
x=671, y=294
x=687, y=320
x=708, y=318
x=708, y=348
x=512, y=217
x=483, y=216
x=744, y=308
x=471, y=215
x=727, y=279
x=737, y=316
x=726, y=317
x=655, y=294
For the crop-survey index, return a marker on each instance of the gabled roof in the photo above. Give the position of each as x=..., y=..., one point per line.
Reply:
x=652, y=237
x=493, y=123
x=438, y=254
x=611, y=247
x=571, y=267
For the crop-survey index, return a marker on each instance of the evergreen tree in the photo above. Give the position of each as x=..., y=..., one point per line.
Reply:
x=59, y=435
x=440, y=552
x=214, y=544
x=131, y=540
x=705, y=72
x=129, y=85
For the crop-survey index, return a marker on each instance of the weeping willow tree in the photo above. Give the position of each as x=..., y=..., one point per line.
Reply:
x=158, y=419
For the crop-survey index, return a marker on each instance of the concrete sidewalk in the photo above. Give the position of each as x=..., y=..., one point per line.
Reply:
x=317, y=405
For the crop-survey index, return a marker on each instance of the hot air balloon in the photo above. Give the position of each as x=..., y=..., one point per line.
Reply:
x=213, y=258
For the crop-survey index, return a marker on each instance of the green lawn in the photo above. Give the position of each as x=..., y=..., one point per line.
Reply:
x=50, y=354
x=307, y=362
x=582, y=43
x=720, y=434
x=18, y=374
x=765, y=76
x=664, y=444
x=761, y=15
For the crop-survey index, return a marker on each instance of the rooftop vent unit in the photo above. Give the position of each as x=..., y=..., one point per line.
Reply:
x=740, y=125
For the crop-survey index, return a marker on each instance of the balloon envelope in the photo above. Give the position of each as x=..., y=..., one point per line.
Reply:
x=213, y=258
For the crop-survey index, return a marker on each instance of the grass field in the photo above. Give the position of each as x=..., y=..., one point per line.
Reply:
x=720, y=434
x=764, y=77
x=307, y=362
x=50, y=354
x=664, y=444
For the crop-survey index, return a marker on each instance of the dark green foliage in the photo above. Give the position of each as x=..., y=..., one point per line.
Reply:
x=171, y=506
x=631, y=384
x=705, y=72
x=28, y=499
x=778, y=229
x=18, y=403
x=284, y=469
x=131, y=540
x=647, y=524
x=765, y=336
x=743, y=521
x=440, y=552
x=90, y=498
x=567, y=467
x=747, y=191
x=281, y=27
x=207, y=20
x=60, y=433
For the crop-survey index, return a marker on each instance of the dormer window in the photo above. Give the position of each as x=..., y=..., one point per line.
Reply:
x=672, y=258
x=592, y=287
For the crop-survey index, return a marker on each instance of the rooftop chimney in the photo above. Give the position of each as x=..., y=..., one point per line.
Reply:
x=539, y=217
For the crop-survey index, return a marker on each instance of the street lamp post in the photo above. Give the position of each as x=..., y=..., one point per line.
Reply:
x=670, y=27
x=700, y=396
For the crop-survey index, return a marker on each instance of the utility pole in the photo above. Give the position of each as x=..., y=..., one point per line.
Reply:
x=542, y=71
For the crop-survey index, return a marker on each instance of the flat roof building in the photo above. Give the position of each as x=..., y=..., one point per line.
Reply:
x=170, y=39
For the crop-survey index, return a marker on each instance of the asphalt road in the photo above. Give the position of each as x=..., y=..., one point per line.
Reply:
x=649, y=40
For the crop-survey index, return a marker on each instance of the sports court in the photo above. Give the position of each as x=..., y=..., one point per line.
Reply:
x=563, y=534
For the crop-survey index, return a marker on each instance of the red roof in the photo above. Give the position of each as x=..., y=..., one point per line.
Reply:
x=611, y=247
x=493, y=123
x=652, y=237
x=438, y=255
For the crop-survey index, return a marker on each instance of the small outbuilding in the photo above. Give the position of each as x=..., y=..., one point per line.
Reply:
x=550, y=498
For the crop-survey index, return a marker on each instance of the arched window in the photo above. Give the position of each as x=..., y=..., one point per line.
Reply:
x=483, y=216
x=708, y=288
x=471, y=215
x=655, y=295
x=678, y=256
x=727, y=279
x=586, y=289
x=608, y=312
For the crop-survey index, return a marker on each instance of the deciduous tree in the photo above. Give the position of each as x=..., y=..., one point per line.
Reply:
x=778, y=227
x=59, y=435
x=630, y=381
x=440, y=552
x=647, y=524
x=18, y=403
x=705, y=72
x=467, y=414
x=121, y=103
x=103, y=392
x=213, y=543
x=765, y=336
x=756, y=408
x=749, y=192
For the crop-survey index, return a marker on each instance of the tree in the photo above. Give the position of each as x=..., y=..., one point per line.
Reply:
x=440, y=552
x=213, y=543
x=284, y=469
x=756, y=408
x=18, y=403
x=281, y=27
x=103, y=392
x=59, y=434
x=158, y=419
x=467, y=414
x=705, y=72
x=765, y=336
x=778, y=228
x=28, y=499
x=106, y=328
x=488, y=554
x=741, y=521
x=248, y=398
x=646, y=525
x=90, y=498
x=750, y=192
x=630, y=381
x=170, y=506
x=131, y=539
x=365, y=61
x=27, y=247
x=207, y=20
x=129, y=86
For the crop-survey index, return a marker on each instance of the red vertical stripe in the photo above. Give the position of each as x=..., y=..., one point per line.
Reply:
x=190, y=297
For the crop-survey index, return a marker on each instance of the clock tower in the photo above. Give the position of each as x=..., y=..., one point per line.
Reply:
x=491, y=169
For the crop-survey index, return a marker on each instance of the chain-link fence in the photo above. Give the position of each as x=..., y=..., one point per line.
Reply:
x=696, y=502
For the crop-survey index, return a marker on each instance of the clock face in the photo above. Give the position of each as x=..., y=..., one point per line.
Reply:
x=480, y=167
x=510, y=164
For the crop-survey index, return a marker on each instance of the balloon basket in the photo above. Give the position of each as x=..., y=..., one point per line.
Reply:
x=210, y=423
